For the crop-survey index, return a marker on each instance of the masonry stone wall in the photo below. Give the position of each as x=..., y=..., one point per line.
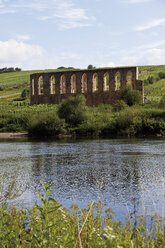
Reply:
x=100, y=86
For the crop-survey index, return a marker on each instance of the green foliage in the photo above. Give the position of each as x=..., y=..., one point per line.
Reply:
x=131, y=97
x=25, y=93
x=48, y=225
x=150, y=80
x=129, y=122
x=46, y=125
x=161, y=75
x=90, y=67
x=73, y=110
x=120, y=105
x=162, y=102
x=104, y=120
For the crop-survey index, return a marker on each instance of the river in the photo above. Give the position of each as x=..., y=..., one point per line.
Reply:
x=126, y=174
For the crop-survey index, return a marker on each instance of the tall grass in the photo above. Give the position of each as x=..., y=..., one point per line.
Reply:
x=48, y=224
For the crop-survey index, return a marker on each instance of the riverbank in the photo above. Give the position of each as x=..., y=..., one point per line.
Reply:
x=73, y=118
x=13, y=135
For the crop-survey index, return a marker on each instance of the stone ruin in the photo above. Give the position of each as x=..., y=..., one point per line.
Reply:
x=99, y=86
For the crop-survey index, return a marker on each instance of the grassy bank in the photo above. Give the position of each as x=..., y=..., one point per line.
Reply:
x=48, y=224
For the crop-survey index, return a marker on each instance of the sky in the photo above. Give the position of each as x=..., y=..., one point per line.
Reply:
x=46, y=34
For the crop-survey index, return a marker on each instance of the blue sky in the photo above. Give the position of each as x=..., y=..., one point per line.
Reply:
x=38, y=34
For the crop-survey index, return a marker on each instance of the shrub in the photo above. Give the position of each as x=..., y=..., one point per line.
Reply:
x=161, y=75
x=151, y=126
x=46, y=125
x=73, y=110
x=129, y=122
x=25, y=93
x=130, y=96
x=162, y=102
x=120, y=105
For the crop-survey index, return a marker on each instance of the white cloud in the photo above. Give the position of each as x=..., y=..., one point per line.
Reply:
x=22, y=37
x=152, y=45
x=64, y=13
x=67, y=16
x=153, y=56
x=14, y=53
x=7, y=11
x=151, y=24
x=136, y=1
x=18, y=53
x=37, y=5
x=109, y=64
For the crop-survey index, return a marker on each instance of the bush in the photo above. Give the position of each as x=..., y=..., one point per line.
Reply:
x=46, y=125
x=25, y=93
x=162, y=102
x=151, y=126
x=130, y=96
x=73, y=110
x=161, y=75
x=129, y=122
x=120, y=105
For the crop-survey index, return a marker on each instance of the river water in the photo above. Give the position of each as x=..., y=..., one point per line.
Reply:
x=126, y=174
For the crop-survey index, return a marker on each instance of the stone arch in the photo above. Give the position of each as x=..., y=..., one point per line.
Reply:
x=129, y=79
x=73, y=83
x=52, y=85
x=40, y=85
x=84, y=83
x=95, y=82
x=32, y=87
x=63, y=84
x=117, y=81
x=106, y=82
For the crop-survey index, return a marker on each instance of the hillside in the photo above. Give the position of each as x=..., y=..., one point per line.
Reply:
x=15, y=82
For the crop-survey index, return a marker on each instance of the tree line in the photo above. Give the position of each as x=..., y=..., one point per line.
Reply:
x=9, y=69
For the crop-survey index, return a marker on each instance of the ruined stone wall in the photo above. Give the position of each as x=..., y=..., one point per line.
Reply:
x=100, y=86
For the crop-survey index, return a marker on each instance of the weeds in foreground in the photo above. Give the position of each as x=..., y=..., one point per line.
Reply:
x=48, y=224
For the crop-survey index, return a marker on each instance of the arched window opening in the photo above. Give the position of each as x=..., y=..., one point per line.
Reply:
x=73, y=84
x=41, y=85
x=32, y=89
x=106, y=82
x=95, y=82
x=117, y=81
x=52, y=85
x=129, y=79
x=84, y=83
x=63, y=84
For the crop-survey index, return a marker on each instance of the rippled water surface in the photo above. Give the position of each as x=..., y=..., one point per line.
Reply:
x=128, y=175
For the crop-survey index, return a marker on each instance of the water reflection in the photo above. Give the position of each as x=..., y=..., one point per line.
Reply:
x=125, y=174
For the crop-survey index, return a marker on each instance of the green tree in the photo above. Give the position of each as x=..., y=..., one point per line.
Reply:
x=130, y=96
x=91, y=67
x=73, y=110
